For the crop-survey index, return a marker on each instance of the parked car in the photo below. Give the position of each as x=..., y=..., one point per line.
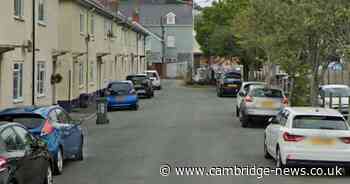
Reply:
x=261, y=103
x=336, y=91
x=228, y=83
x=154, y=76
x=143, y=84
x=243, y=91
x=121, y=94
x=62, y=134
x=24, y=159
x=308, y=136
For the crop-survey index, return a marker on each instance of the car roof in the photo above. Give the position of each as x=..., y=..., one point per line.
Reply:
x=253, y=82
x=4, y=124
x=334, y=86
x=40, y=110
x=316, y=111
x=151, y=71
x=137, y=75
x=121, y=81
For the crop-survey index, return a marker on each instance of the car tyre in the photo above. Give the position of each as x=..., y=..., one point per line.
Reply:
x=59, y=163
x=80, y=155
x=135, y=108
x=49, y=176
x=266, y=153
x=244, y=120
x=237, y=112
x=279, y=163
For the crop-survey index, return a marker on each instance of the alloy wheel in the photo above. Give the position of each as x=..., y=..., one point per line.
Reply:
x=49, y=176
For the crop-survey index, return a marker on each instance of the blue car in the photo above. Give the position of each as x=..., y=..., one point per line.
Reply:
x=63, y=135
x=121, y=94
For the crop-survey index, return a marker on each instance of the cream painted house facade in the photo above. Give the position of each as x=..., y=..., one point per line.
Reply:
x=100, y=46
x=81, y=42
x=16, y=51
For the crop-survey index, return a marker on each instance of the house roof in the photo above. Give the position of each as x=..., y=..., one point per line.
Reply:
x=150, y=14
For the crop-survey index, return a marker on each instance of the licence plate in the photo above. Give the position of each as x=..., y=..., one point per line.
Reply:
x=120, y=98
x=267, y=104
x=232, y=85
x=322, y=141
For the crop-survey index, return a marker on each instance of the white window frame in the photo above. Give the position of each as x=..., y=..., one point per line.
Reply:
x=171, y=41
x=20, y=11
x=108, y=27
x=18, y=96
x=41, y=79
x=82, y=23
x=42, y=19
x=81, y=75
x=171, y=18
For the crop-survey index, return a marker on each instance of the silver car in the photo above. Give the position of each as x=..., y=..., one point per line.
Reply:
x=261, y=103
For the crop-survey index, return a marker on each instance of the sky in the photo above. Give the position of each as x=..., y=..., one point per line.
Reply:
x=204, y=3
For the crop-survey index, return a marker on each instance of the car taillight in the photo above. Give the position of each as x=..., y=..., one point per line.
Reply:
x=248, y=99
x=345, y=140
x=285, y=101
x=47, y=129
x=3, y=162
x=132, y=92
x=292, y=138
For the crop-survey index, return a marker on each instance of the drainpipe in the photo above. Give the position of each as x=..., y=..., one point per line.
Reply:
x=33, y=56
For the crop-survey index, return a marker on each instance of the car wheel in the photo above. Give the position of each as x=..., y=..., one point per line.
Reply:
x=135, y=108
x=266, y=153
x=80, y=154
x=59, y=162
x=279, y=163
x=48, y=177
x=244, y=120
x=237, y=112
x=160, y=88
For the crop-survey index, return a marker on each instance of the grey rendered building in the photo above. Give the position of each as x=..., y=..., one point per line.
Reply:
x=177, y=21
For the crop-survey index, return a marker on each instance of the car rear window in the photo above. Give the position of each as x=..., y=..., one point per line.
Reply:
x=319, y=122
x=265, y=92
x=138, y=78
x=120, y=87
x=28, y=121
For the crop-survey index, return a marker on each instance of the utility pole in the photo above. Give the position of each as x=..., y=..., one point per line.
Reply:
x=33, y=56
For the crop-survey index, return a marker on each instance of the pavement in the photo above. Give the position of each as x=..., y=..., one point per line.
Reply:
x=180, y=126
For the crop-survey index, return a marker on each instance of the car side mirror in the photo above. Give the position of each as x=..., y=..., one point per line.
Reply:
x=273, y=120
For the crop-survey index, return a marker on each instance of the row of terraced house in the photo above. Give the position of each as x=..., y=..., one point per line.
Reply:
x=80, y=45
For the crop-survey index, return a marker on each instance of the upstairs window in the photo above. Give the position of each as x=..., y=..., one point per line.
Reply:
x=19, y=8
x=18, y=81
x=42, y=11
x=170, y=18
x=171, y=41
x=41, y=77
x=82, y=23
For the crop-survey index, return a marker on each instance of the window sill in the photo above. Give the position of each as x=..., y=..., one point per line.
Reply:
x=92, y=84
x=19, y=18
x=81, y=86
x=40, y=96
x=82, y=34
x=42, y=23
x=18, y=100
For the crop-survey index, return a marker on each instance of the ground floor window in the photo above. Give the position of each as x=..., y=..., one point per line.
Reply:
x=92, y=71
x=41, y=77
x=18, y=81
x=81, y=74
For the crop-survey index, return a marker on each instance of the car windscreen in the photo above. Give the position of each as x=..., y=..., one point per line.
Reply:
x=319, y=122
x=232, y=76
x=28, y=120
x=116, y=87
x=136, y=78
x=343, y=92
x=265, y=92
x=152, y=74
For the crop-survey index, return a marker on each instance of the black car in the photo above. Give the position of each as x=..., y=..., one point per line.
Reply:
x=24, y=159
x=228, y=84
x=142, y=84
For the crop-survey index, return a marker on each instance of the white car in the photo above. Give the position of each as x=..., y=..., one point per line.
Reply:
x=154, y=76
x=243, y=92
x=308, y=136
